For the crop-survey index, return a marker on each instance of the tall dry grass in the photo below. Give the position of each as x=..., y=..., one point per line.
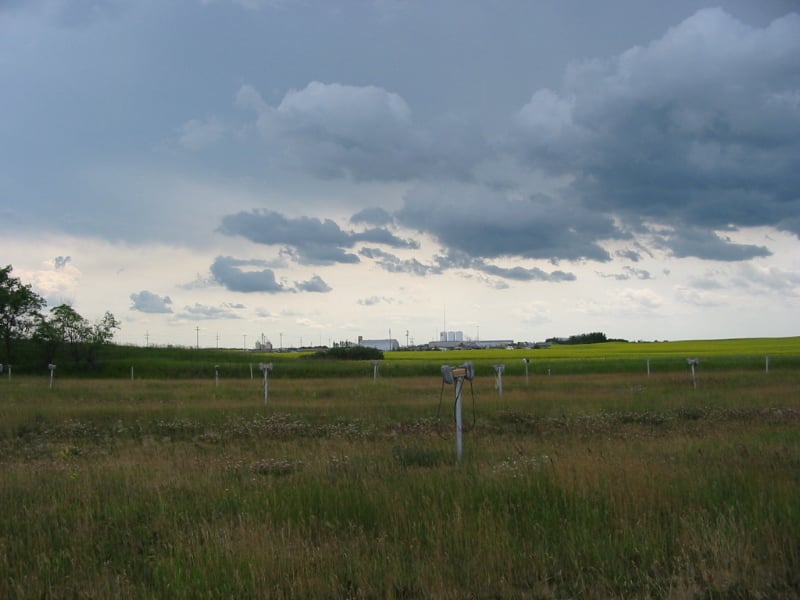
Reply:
x=586, y=486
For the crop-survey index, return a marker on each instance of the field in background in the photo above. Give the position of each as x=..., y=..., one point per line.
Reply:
x=576, y=484
x=170, y=363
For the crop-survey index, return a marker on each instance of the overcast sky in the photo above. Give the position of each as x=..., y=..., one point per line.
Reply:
x=316, y=170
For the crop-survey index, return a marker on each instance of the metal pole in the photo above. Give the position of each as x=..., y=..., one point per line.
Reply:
x=498, y=369
x=266, y=386
x=459, y=424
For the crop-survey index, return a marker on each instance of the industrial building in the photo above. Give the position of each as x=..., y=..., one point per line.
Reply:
x=385, y=345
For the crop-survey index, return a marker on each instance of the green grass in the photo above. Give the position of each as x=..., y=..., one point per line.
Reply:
x=187, y=363
x=588, y=485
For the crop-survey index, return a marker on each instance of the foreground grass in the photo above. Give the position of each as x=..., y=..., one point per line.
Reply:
x=589, y=486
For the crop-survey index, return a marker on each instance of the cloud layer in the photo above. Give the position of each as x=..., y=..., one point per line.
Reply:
x=340, y=162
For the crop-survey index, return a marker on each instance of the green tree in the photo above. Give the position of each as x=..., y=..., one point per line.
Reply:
x=66, y=327
x=19, y=308
x=100, y=334
x=71, y=327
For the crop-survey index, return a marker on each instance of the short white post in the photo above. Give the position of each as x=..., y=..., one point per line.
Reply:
x=52, y=368
x=693, y=362
x=498, y=370
x=251, y=370
x=265, y=368
x=375, y=364
x=527, y=361
x=648, y=367
x=766, y=365
x=131, y=372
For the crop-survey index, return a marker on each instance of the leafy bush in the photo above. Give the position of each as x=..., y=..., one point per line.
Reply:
x=349, y=353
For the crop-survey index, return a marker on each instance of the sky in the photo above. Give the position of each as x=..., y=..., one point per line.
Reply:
x=218, y=172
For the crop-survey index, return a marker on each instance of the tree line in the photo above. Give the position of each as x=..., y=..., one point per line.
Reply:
x=60, y=332
x=596, y=337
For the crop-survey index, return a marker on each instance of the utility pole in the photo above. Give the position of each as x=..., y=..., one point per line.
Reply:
x=197, y=344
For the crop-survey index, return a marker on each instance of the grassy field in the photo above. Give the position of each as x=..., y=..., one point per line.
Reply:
x=600, y=485
x=188, y=363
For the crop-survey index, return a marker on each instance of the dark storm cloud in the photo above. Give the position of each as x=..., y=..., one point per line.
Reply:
x=307, y=240
x=148, y=302
x=375, y=216
x=631, y=255
x=485, y=223
x=240, y=275
x=523, y=274
x=461, y=260
x=394, y=264
x=701, y=243
x=244, y=276
x=700, y=128
x=456, y=260
x=383, y=236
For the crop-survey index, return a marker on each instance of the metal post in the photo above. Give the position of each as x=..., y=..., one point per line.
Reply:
x=498, y=369
x=52, y=368
x=216, y=375
x=459, y=424
x=767, y=364
x=131, y=372
x=648, y=367
x=375, y=364
x=266, y=368
x=693, y=362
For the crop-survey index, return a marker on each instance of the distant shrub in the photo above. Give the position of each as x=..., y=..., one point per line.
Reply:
x=349, y=353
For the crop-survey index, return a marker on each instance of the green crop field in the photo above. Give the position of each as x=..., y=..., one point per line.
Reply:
x=594, y=481
x=170, y=363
